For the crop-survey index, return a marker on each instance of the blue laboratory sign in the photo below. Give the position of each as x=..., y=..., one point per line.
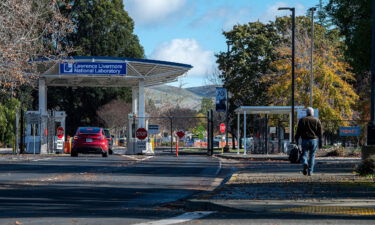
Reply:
x=350, y=131
x=93, y=68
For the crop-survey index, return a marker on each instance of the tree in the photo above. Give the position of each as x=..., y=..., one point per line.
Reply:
x=257, y=68
x=249, y=57
x=115, y=114
x=8, y=112
x=101, y=28
x=334, y=96
x=206, y=104
x=182, y=118
x=353, y=19
x=29, y=29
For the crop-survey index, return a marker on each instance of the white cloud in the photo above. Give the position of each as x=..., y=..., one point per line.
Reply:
x=187, y=51
x=148, y=12
x=227, y=15
x=273, y=12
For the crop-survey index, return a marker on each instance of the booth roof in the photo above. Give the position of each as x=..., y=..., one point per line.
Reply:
x=153, y=72
x=266, y=109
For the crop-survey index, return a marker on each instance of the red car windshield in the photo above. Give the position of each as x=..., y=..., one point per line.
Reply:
x=89, y=130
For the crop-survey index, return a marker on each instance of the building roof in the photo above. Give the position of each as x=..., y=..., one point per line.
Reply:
x=153, y=72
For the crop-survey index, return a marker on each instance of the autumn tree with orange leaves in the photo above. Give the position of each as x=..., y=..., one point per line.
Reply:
x=333, y=93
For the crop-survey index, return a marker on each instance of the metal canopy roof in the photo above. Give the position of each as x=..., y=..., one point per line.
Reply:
x=153, y=72
x=266, y=109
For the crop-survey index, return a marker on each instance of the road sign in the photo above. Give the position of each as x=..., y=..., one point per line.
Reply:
x=141, y=133
x=141, y=145
x=60, y=132
x=180, y=134
x=221, y=100
x=350, y=131
x=153, y=129
x=222, y=127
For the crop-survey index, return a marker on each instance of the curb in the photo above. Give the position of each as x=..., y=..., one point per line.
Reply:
x=254, y=158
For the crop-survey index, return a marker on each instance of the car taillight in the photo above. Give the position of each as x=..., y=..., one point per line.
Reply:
x=110, y=139
x=75, y=137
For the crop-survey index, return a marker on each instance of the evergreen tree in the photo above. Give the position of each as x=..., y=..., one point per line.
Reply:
x=101, y=28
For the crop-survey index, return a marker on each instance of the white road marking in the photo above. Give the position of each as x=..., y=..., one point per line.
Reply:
x=35, y=160
x=179, y=219
x=134, y=158
x=218, y=169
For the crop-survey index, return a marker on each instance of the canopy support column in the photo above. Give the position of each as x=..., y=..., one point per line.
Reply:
x=141, y=103
x=238, y=133
x=135, y=100
x=244, y=132
x=43, y=132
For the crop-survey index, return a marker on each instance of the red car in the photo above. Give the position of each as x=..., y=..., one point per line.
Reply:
x=90, y=140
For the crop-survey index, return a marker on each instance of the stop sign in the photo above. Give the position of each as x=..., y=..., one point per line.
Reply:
x=222, y=127
x=141, y=133
x=180, y=134
x=60, y=132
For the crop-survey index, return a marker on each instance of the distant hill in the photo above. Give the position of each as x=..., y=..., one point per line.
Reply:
x=208, y=91
x=164, y=95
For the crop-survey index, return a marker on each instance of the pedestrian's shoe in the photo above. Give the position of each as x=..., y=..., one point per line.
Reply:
x=304, y=171
x=309, y=173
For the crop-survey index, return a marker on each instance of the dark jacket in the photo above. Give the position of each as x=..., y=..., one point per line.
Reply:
x=309, y=128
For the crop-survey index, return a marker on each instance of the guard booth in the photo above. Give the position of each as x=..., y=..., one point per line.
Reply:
x=53, y=133
x=82, y=71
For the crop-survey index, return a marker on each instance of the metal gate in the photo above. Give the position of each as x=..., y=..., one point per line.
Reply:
x=198, y=132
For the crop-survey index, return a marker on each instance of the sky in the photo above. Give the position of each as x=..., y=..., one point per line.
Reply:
x=190, y=31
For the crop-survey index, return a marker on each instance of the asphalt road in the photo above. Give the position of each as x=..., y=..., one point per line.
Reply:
x=90, y=189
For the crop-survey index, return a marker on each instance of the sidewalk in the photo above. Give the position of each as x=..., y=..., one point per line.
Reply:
x=270, y=184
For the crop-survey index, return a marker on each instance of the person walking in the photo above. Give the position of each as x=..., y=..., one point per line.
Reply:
x=310, y=130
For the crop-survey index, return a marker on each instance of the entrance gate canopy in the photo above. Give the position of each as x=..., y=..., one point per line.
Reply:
x=85, y=71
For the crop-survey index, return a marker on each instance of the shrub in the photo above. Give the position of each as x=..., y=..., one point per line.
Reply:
x=367, y=167
x=336, y=152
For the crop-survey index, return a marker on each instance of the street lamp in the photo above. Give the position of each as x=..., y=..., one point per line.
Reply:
x=226, y=148
x=293, y=51
x=371, y=124
x=312, y=10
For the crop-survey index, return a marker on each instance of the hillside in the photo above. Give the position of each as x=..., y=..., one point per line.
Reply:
x=165, y=95
x=208, y=91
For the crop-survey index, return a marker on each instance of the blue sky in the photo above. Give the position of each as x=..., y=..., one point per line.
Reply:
x=190, y=31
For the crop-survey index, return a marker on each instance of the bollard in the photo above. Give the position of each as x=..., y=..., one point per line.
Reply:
x=67, y=145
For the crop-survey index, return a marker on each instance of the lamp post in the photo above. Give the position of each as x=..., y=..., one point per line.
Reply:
x=371, y=124
x=312, y=10
x=226, y=148
x=293, y=51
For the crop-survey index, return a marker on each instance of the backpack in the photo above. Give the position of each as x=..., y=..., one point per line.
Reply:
x=295, y=154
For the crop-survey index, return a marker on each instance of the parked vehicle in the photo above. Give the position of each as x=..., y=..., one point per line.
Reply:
x=109, y=139
x=90, y=140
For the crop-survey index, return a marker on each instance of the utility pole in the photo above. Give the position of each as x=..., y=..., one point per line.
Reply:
x=293, y=70
x=226, y=148
x=371, y=125
x=312, y=10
